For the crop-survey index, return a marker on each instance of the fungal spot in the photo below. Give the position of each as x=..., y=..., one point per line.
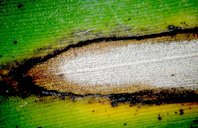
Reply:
x=195, y=121
x=173, y=28
x=114, y=104
x=44, y=48
x=184, y=23
x=181, y=112
x=63, y=97
x=125, y=66
x=125, y=124
x=72, y=98
x=61, y=75
x=15, y=42
x=20, y=5
x=159, y=117
x=39, y=49
x=74, y=71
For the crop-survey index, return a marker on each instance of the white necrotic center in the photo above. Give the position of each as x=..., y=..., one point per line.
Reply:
x=164, y=64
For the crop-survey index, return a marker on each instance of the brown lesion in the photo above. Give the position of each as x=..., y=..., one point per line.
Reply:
x=39, y=74
x=45, y=74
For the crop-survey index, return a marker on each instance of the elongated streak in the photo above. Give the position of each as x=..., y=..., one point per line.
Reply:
x=117, y=67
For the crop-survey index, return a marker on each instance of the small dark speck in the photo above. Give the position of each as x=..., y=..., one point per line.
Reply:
x=129, y=18
x=15, y=42
x=184, y=23
x=114, y=104
x=39, y=127
x=159, y=117
x=93, y=111
x=63, y=97
x=172, y=74
x=17, y=126
x=181, y=112
x=172, y=28
x=195, y=121
x=175, y=112
x=0, y=56
x=72, y=98
x=20, y=5
x=61, y=75
x=125, y=124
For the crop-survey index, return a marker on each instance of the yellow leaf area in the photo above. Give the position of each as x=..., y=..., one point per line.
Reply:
x=93, y=112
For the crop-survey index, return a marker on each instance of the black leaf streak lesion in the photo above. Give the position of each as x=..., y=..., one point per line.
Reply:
x=25, y=86
x=125, y=124
x=181, y=112
x=15, y=42
x=20, y=5
x=173, y=28
x=159, y=117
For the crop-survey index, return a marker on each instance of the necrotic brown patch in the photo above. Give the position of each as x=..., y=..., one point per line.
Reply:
x=67, y=73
